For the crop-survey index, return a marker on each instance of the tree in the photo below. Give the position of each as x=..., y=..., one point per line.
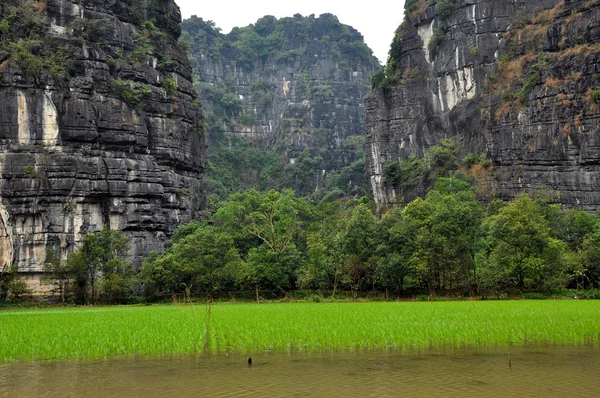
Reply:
x=393, y=251
x=264, y=269
x=200, y=257
x=268, y=229
x=443, y=229
x=520, y=250
x=100, y=256
x=324, y=266
x=588, y=275
x=357, y=247
x=56, y=273
x=12, y=285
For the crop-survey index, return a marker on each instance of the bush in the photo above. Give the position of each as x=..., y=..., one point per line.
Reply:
x=247, y=119
x=98, y=270
x=12, y=285
x=436, y=38
x=170, y=85
x=596, y=96
x=322, y=92
x=94, y=30
x=444, y=7
x=131, y=92
x=379, y=80
x=533, y=78
x=148, y=41
x=406, y=173
x=475, y=158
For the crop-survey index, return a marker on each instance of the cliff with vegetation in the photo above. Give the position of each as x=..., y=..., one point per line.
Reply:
x=99, y=126
x=284, y=103
x=511, y=87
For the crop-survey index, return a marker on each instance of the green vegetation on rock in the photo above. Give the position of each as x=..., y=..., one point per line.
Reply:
x=265, y=133
x=23, y=40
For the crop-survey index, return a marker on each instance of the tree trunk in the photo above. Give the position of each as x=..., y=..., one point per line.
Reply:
x=256, y=290
x=335, y=283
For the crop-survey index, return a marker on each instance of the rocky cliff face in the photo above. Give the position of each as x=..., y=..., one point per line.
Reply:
x=289, y=85
x=515, y=81
x=98, y=126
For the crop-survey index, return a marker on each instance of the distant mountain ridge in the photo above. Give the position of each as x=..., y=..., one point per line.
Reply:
x=283, y=101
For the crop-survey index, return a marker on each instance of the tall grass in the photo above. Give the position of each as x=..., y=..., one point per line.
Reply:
x=166, y=330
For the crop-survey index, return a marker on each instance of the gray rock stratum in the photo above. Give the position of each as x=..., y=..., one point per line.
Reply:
x=517, y=81
x=98, y=126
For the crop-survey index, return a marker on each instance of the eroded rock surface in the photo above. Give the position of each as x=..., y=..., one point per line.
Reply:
x=517, y=81
x=116, y=142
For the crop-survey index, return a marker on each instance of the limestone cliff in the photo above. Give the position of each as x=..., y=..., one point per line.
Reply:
x=98, y=126
x=516, y=81
x=290, y=86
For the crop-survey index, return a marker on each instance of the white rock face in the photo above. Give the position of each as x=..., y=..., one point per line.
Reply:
x=425, y=32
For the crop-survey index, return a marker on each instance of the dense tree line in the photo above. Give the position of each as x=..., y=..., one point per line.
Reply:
x=446, y=242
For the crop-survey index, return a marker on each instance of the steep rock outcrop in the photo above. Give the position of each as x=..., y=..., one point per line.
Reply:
x=516, y=81
x=98, y=126
x=289, y=85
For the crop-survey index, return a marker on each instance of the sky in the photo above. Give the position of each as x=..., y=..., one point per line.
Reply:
x=377, y=20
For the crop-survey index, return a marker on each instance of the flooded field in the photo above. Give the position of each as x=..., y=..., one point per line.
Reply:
x=460, y=372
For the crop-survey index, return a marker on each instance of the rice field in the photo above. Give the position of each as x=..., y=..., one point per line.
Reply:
x=78, y=333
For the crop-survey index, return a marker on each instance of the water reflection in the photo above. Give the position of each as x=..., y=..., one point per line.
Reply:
x=535, y=372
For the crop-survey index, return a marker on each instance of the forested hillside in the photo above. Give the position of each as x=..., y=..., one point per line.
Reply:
x=283, y=101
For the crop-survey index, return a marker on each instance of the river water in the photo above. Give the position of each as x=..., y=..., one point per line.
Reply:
x=466, y=372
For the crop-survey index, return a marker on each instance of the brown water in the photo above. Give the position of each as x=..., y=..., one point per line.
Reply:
x=535, y=372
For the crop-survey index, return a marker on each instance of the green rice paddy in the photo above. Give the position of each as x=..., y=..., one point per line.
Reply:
x=77, y=333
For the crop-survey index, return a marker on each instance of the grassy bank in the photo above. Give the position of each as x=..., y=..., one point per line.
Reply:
x=162, y=330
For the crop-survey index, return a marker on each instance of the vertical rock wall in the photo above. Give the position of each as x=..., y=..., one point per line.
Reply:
x=512, y=80
x=84, y=152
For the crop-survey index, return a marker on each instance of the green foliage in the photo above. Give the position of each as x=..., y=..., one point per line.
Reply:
x=406, y=173
x=57, y=274
x=133, y=93
x=436, y=38
x=12, y=285
x=532, y=79
x=443, y=229
x=303, y=84
x=322, y=92
x=379, y=80
x=444, y=7
x=148, y=41
x=411, y=6
x=475, y=158
x=596, y=96
x=98, y=270
x=200, y=258
x=441, y=158
x=89, y=333
x=170, y=85
x=94, y=30
x=522, y=252
x=247, y=119
x=223, y=99
x=23, y=41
